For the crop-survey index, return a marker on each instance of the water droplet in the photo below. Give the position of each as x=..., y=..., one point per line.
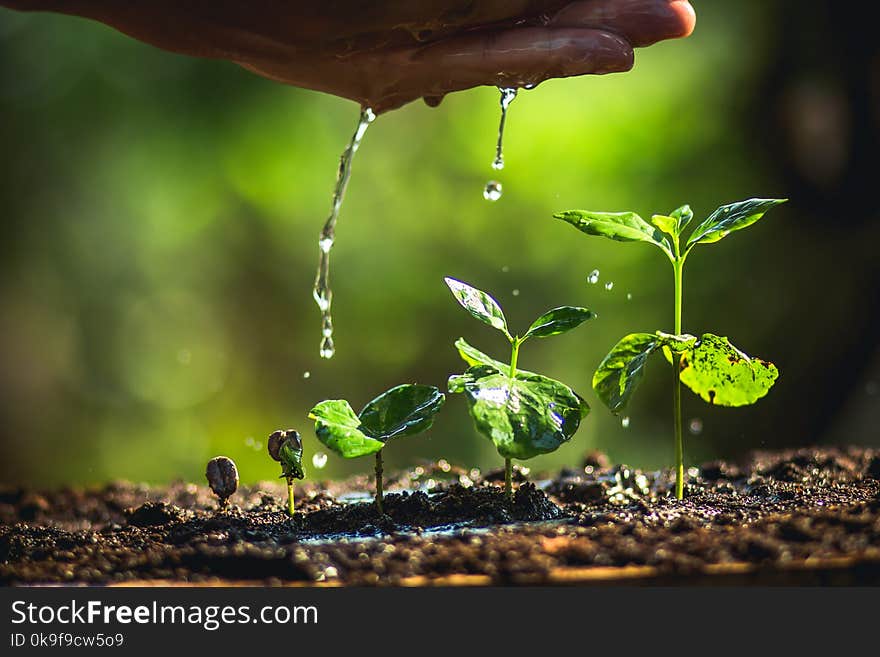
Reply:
x=443, y=464
x=593, y=278
x=695, y=426
x=516, y=293
x=629, y=296
x=258, y=446
x=319, y=460
x=249, y=441
x=624, y=421
x=505, y=269
x=184, y=356
x=524, y=470
x=693, y=472
x=327, y=348
x=529, y=87
x=492, y=191
x=609, y=285
x=306, y=374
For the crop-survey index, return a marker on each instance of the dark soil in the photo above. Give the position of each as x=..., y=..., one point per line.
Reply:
x=803, y=517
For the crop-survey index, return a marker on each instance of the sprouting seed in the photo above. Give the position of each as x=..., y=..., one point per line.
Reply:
x=286, y=448
x=222, y=476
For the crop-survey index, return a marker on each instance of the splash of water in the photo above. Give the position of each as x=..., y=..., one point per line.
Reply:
x=321, y=292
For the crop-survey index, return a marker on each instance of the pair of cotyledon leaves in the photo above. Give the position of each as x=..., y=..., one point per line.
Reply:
x=401, y=411
x=710, y=366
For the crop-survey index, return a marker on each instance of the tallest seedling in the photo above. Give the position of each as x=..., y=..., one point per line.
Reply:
x=710, y=366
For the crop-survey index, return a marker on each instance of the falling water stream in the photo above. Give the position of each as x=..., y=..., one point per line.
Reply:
x=322, y=293
x=493, y=190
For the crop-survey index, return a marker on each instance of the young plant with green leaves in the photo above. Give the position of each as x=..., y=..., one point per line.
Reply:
x=286, y=447
x=524, y=414
x=405, y=410
x=709, y=365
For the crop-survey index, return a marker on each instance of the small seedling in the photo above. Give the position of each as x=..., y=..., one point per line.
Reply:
x=222, y=476
x=524, y=414
x=404, y=410
x=710, y=365
x=286, y=447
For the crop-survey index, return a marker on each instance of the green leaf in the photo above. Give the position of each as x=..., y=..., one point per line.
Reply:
x=523, y=417
x=682, y=216
x=479, y=304
x=402, y=411
x=667, y=224
x=558, y=320
x=473, y=356
x=620, y=226
x=723, y=375
x=731, y=217
x=291, y=459
x=622, y=369
x=338, y=428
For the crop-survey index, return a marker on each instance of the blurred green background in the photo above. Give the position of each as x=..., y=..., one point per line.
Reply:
x=160, y=217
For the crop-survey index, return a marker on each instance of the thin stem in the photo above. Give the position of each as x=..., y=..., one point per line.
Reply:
x=508, y=477
x=379, y=481
x=678, y=268
x=290, y=502
x=514, y=355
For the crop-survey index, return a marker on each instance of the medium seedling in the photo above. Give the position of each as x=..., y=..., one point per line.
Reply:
x=710, y=365
x=404, y=410
x=286, y=447
x=524, y=414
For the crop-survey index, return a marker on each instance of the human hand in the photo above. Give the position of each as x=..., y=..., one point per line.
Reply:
x=386, y=54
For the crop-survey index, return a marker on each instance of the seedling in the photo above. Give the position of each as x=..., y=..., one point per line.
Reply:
x=222, y=476
x=286, y=447
x=710, y=365
x=524, y=414
x=405, y=410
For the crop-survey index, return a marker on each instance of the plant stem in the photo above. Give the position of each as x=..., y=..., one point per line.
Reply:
x=379, y=481
x=508, y=477
x=290, y=503
x=514, y=355
x=678, y=267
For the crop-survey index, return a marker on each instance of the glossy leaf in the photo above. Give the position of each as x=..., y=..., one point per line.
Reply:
x=290, y=454
x=666, y=224
x=723, y=375
x=682, y=216
x=479, y=304
x=473, y=356
x=730, y=218
x=622, y=369
x=559, y=320
x=338, y=428
x=620, y=226
x=402, y=411
x=523, y=417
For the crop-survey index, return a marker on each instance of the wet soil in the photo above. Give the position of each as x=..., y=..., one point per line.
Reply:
x=810, y=516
